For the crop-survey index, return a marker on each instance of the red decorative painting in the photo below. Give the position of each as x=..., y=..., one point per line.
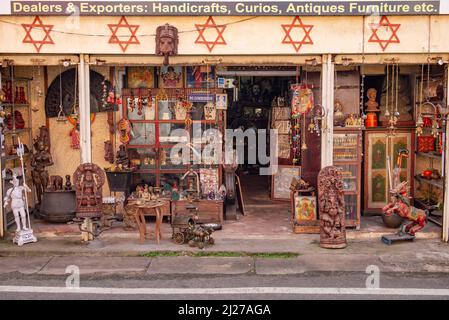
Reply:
x=289, y=38
x=43, y=29
x=210, y=24
x=130, y=39
x=393, y=28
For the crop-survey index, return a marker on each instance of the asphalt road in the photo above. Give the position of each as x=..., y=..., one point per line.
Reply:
x=313, y=286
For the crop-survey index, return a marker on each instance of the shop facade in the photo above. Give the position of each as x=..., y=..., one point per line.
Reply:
x=59, y=59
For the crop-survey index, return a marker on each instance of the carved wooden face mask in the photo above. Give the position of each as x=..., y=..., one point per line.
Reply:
x=166, y=42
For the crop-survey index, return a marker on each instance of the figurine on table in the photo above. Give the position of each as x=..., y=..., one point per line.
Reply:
x=122, y=157
x=16, y=197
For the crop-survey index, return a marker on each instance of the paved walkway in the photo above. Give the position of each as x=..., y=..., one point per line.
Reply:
x=405, y=261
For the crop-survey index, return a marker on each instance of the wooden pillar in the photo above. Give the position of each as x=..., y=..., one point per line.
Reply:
x=445, y=233
x=327, y=100
x=84, y=109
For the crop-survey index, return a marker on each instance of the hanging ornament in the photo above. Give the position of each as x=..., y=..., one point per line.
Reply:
x=124, y=127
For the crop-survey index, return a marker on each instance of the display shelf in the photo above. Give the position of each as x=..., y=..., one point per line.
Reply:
x=156, y=131
x=434, y=182
x=17, y=131
x=14, y=157
x=10, y=139
x=347, y=155
x=429, y=155
x=16, y=105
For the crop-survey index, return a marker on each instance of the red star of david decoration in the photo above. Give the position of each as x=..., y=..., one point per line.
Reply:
x=37, y=24
x=210, y=23
x=115, y=39
x=297, y=23
x=384, y=43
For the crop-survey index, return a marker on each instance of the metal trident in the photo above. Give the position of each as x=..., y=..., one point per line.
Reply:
x=20, y=152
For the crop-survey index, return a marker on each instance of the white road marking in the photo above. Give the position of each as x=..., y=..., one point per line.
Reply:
x=222, y=291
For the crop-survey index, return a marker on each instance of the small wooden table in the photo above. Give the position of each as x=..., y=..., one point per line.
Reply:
x=147, y=209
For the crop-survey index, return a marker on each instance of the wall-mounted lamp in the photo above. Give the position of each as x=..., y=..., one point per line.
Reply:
x=7, y=62
x=313, y=62
x=346, y=61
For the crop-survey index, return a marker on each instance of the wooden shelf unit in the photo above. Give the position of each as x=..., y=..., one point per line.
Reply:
x=348, y=156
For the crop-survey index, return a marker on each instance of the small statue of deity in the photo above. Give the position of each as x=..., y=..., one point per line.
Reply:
x=372, y=105
x=122, y=157
x=39, y=161
x=16, y=197
x=89, y=180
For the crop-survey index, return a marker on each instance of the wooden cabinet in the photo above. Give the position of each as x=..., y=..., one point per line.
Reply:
x=348, y=157
x=209, y=211
x=379, y=146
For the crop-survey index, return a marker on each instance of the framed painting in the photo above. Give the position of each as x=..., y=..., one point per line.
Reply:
x=200, y=77
x=280, y=182
x=305, y=209
x=170, y=77
x=140, y=77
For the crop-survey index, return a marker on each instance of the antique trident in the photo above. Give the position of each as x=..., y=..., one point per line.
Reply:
x=20, y=153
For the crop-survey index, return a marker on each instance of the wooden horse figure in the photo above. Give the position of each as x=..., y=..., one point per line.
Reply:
x=400, y=205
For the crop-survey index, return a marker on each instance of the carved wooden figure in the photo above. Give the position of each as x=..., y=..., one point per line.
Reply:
x=108, y=152
x=400, y=205
x=89, y=180
x=166, y=41
x=332, y=208
x=39, y=161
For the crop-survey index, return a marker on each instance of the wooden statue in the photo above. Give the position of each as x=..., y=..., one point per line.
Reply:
x=122, y=158
x=332, y=208
x=400, y=205
x=166, y=41
x=39, y=161
x=89, y=180
x=108, y=152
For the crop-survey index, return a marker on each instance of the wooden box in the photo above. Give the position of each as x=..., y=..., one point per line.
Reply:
x=209, y=211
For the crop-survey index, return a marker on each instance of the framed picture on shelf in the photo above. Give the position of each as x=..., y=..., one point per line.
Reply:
x=140, y=77
x=200, y=77
x=221, y=101
x=305, y=209
x=281, y=180
x=170, y=77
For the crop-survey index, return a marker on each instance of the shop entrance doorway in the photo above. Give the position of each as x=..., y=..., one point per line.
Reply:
x=260, y=99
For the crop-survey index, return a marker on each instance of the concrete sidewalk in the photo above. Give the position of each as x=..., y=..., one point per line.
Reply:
x=51, y=257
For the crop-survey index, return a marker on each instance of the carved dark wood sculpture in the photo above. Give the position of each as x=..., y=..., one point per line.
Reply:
x=332, y=208
x=56, y=183
x=89, y=180
x=68, y=89
x=122, y=157
x=166, y=41
x=108, y=152
x=41, y=159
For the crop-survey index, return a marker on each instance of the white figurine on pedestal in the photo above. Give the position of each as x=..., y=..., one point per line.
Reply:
x=17, y=197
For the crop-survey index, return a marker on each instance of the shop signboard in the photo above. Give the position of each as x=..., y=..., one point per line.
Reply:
x=225, y=8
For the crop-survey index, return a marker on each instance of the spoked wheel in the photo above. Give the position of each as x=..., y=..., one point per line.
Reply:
x=178, y=238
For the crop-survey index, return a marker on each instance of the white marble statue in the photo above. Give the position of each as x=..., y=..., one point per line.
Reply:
x=16, y=197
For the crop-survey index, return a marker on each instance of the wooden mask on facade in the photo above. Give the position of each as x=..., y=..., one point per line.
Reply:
x=166, y=41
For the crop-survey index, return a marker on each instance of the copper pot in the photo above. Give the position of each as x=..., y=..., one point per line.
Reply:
x=393, y=221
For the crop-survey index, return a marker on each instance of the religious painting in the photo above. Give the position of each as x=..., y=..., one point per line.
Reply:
x=281, y=181
x=378, y=187
x=171, y=77
x=400, y=144
x=379, y=154
x=305, y=209
x=140, y=77
x=221, y=101
x=200, y=77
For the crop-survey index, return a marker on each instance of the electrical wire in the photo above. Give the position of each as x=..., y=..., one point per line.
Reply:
x=137, y=35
